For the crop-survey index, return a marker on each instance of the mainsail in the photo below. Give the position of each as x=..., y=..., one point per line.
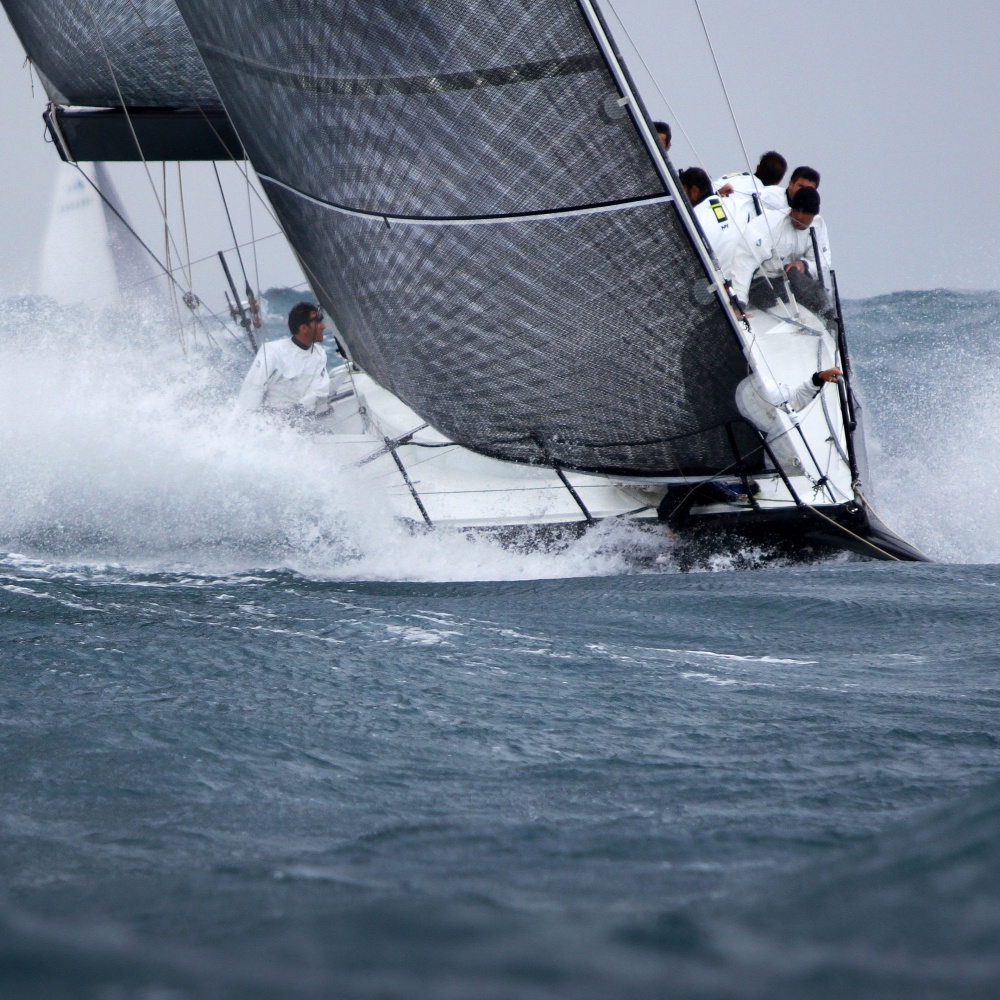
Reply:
x=474, y=203
x=105, y=53
x=122, y=55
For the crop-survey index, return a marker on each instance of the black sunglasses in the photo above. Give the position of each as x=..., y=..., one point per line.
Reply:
x=318, y=318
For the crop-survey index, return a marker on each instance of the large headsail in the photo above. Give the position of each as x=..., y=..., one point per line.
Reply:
x=134, y=55
x=476, y=207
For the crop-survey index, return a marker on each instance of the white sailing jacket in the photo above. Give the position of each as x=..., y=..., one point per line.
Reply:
x=770, y=242
x=777, y=198
x=745, y=185
x=284, y=375
x=759, y=401
x=720, y=229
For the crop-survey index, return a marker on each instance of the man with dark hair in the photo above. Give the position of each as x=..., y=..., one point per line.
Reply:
x=779, y=245
x=777, y=198
x=770, y=170
x=290, y=374
x=800, y=176
x=696, y=184
x=664, y=134
x=803, y=177
x=720, y=230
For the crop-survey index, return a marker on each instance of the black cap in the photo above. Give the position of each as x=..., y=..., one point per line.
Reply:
x=806, y=199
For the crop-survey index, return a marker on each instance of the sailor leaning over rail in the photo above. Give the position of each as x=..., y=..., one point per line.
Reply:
x=290, y=374
x=760, y=399
x=780, y=245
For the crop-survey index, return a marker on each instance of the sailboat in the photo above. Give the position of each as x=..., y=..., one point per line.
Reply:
x=537, y=334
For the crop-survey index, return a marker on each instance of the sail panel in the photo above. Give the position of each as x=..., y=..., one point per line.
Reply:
x=491, y=333
x=428, y=119
x=153, y=61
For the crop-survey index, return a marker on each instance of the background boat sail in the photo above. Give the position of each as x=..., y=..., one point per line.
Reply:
x=479, y=202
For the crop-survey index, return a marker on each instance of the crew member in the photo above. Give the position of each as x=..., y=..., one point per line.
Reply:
x=290, y=375
x=718, y=226
x=764, y=182
x=664, y=134
x=759, y=401
x=802, y=177
x=779, y=244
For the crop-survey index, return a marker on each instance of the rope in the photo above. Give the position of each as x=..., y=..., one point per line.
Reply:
x=871, y=511
x=187, y=245
x=739, y=135
x=311, y=275
x=253, y=241
x=232, y=230
x=171, y=291
x=142, y=243
x=128, y=117
x=847, y=531
x=652, y=79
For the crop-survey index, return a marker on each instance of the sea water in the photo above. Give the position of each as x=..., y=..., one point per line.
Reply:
x=258, y=741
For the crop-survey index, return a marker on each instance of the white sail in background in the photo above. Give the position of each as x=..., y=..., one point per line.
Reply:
x=88, y=254
x=76, y=263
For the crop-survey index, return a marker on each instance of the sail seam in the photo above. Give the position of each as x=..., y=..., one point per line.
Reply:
x=497, y=76
x=473, y=220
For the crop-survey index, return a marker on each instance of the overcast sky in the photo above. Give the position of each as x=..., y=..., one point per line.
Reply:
x=894, y=101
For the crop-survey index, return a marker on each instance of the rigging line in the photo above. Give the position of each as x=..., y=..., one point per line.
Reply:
x=871, y=510
x=225, y=205
x=128, y=117
x=171, y=291
x=652, y=79
x=725, y=91
x=847, y=531
x=732, y=114
x=187, y=245
x=200, y=260
x=179, y=74
x=311, y=276
x=253, y=241
x=144, y=245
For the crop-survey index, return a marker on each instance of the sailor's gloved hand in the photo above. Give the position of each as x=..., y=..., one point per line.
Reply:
x=827, y=375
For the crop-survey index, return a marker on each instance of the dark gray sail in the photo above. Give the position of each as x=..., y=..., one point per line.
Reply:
x=105, y=53
x=476, y=208
x=125, y=80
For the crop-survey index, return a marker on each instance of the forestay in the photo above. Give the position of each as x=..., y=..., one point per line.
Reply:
x=477, y=210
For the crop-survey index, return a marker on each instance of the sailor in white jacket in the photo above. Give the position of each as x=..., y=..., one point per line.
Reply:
x=779, y=199
x=759, y=400
x=291, y=373
x=765, y=182
x=779, y=242
x=719, y=227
